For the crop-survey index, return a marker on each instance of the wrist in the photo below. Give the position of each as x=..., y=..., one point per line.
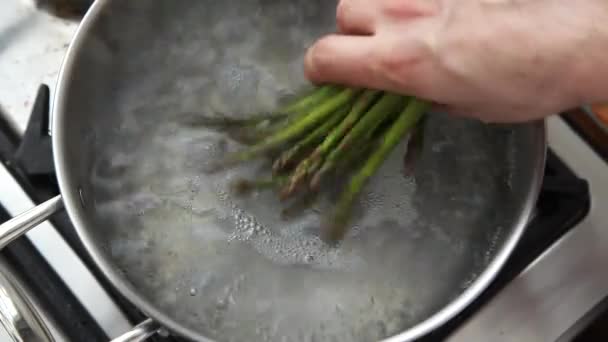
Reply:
x=588, y=69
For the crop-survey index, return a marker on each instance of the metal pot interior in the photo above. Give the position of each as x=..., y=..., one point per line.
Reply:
x=229, y=268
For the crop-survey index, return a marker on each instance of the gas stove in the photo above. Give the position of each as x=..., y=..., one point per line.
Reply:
x=551, y=289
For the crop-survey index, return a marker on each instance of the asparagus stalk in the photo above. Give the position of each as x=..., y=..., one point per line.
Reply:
x=300, y=109
x=356, y=156
x=381, y=110
x=223, y=121
x=288, y=156
x=247, y=131
x=315, y=98
x=362, y=130
x=359, y=108
x=368, y=123
x=246, y=186
x=336, y=229
x=253, y=134
x=297, y=178
x=318, y=95
x=316, y=115
x=351, y=158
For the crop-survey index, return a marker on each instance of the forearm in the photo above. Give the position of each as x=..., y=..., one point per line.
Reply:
x=588, y=69
x=567, y=42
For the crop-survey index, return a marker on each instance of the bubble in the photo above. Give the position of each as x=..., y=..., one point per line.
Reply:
x=221, y=304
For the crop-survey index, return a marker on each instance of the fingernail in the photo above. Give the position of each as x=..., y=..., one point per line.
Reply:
x=309, y=68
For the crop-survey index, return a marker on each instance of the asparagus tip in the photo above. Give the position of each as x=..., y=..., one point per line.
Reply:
x=277, y=166
x=284, y=160
x=315, y=182
x=288, y=190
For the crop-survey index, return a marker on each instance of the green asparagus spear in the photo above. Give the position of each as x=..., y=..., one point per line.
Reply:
x=359, y=108
x=247, y=130
x=374, y=117
x=319, y=95
x=363, y=129
x=336, y=228
x=245, y=186
x=351, y=158
x=317, y=135
x=297, y=178
x=223, y=121
x=359, y=152
x=356, y=156
x=300, y=109
x=381, y=110
x=316, y=115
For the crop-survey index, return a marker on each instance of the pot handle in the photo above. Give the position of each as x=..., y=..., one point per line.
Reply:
x=20, y=224
x=139, y=333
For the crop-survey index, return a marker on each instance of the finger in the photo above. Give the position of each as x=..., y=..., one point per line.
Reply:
x=347, y=60
x=356, y=17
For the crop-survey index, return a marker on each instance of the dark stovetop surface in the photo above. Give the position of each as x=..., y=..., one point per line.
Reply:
x=563, y=202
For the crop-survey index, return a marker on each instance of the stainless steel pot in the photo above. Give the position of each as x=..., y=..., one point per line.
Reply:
x=202, y=263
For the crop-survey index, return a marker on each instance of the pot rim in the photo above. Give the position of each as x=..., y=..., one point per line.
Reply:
x=72, y=204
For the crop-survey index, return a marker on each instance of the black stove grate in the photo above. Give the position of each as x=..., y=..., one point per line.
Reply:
x=563, y=202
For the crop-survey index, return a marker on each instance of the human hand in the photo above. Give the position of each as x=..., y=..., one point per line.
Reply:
x=496, y=60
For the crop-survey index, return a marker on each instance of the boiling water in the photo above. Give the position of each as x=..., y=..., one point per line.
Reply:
x=231, y=268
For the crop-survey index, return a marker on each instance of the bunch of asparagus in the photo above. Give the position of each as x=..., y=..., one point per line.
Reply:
x=331, y=130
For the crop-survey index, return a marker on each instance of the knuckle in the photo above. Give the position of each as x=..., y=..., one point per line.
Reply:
x=410, y=8
x=401, y=68
x=393, y=61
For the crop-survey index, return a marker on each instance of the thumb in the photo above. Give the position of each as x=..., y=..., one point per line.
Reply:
x=346, y=60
